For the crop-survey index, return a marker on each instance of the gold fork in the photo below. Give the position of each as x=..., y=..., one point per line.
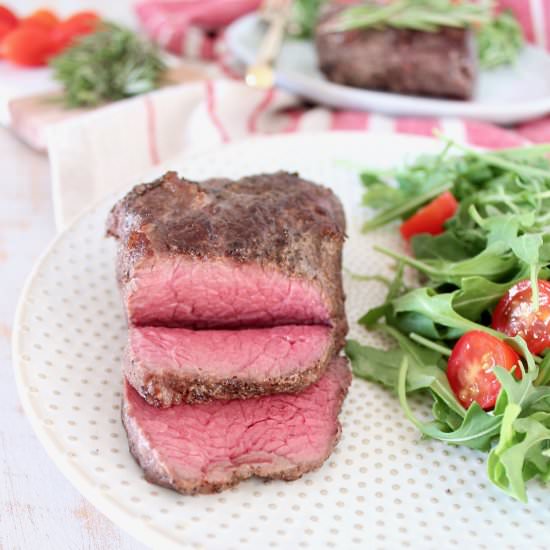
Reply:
x=261, y=73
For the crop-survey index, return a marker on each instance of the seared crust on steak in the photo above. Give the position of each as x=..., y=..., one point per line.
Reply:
x=167, y=389
x=278, y=222
x=169, y=467
x=265, y=218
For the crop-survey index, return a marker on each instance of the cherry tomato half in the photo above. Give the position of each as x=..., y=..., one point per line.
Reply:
x=79, y=24
x=514, y=315
x=470, y=368
x=26, y=46
x=430, y=218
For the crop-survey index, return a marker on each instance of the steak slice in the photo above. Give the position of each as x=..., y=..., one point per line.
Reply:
x=261, y=251
x=204, y=448
x=440, y=64
x=168, y=366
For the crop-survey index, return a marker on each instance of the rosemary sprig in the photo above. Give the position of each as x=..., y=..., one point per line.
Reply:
x=110, y=64
x=420, y=15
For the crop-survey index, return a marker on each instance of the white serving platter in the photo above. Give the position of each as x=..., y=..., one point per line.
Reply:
x=384, y=487
x=506, y=95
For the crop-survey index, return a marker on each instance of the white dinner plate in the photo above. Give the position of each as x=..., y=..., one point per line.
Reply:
x=383, y=487
x=505, y=95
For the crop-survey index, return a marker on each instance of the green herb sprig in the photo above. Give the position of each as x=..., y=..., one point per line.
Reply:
x=499, y=42
x=420, y=15
x=499, y=236
x=304, y=17
x=110, y=64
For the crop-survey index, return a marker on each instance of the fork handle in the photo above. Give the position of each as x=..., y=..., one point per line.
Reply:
x=271, y=44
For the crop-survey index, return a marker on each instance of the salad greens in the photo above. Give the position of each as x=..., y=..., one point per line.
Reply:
x=500, y=41
x=499, y=235
x=303, y=17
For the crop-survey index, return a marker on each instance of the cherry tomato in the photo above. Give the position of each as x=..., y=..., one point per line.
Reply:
x=5, y=29
x=8, y=21
x=79, y=24
x=514, y=315
x=7, y=16
x=26, y=46
x=43, y=17
x=430, y=218
x=469, y=369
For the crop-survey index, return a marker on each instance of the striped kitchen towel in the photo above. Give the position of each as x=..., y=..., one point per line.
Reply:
x=191, y=27
x=96, y=152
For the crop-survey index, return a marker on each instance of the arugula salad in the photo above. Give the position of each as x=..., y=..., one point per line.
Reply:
x=474, y=334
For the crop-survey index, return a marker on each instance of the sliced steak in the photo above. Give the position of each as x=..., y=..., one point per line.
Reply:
x=261, y=251
x=168, y=366
x=207, y=447
x=440, y=64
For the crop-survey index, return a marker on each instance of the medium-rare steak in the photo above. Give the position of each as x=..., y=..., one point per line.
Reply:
x=208, y=447
x=440, y=64
x=168, y=366
x=261, y=251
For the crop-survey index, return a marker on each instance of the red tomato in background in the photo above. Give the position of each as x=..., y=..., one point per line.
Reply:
x=26, y=46
x=470, y=368
x=8, y=21
x=514, y=315
x=430, y=218
x=44, y=17
x=8, y=17
x=79, y=24
x=5, y=29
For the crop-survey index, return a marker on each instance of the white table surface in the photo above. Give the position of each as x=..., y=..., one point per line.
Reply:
x=39, y=509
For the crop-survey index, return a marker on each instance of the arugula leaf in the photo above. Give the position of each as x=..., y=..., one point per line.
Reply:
x=500, y=228
x=527, y=249
x=385, y=310
x=411, y=321
x=500, y=41
x=380, y=195
x=426, y=372
x=544, y=371
x=403, y=208
x=477, y=295
x=382, y=366
x=498, y=237
x=477, y=430
x=375, y=365
x=439, y=308
x=495, y=469
x=445, y=418
x=522, y=452
x=447, y=246
x=493, y=263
